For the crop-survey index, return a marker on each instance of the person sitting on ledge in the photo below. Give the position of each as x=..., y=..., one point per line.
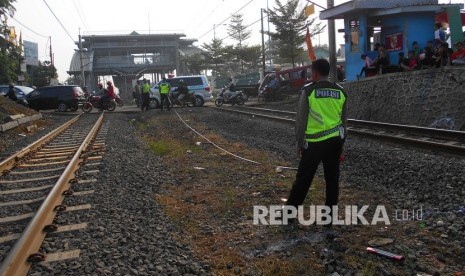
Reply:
x=382, y=59
x=402, y=62
x=458, y=57
x=411, y=63
x=367, y=63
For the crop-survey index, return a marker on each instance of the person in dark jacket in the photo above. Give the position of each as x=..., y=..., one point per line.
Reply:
x=11, y=93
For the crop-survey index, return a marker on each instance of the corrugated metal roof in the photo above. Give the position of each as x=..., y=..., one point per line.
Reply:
x=387, y=4
x=87, y=59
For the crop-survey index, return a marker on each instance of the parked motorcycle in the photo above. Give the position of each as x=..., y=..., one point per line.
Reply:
x=233, y=98
x=93, y=100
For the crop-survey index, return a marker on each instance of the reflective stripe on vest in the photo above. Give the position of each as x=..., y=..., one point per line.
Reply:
x=164, y=88
x=324, y=116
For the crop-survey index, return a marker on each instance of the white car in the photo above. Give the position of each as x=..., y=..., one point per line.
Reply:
x=198, y=84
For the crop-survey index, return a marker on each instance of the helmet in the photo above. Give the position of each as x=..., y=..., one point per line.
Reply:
x=100, y=85
x=181, y=81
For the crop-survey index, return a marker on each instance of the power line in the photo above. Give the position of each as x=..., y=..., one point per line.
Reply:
x=203, y=21
x=209, y=31
x=59, y=21
x=46, y=36
x=79, y=14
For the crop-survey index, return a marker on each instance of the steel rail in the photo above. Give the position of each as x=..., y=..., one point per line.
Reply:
x=416, y=130
x=447, y=146
x=10, y=162
x=17, y=261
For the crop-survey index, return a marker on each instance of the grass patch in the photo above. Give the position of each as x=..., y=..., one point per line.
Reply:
x=159, y=147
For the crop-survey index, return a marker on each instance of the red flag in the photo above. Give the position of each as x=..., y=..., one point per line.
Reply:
x=308, y=40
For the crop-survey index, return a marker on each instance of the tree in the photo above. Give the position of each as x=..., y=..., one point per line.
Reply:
x=10, y=52
x=290, y=22
x=214, y=53
x=6, y=6
x=195, y=62
x=238, y=32
x=43, y=73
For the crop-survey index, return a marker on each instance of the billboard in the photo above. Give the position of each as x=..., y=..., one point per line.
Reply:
x=31, y=52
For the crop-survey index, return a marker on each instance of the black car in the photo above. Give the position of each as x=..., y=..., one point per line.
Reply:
x=20, y=91
x=62, y=97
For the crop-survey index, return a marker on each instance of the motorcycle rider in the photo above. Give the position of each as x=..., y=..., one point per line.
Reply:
x=231, y=89
x=273, y=86
x=109, y=94
x=165, y=89
x=183, y=92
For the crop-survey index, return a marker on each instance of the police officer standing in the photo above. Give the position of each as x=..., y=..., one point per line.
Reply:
x=145, y=96
x=320, y=131
x=165, y=88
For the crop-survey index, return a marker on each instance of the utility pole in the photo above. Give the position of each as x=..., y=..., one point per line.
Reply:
x=51, y=53
x=263, y=44
x=214, y=32
x=270, y=48
x=83, y=80
x=332, y=44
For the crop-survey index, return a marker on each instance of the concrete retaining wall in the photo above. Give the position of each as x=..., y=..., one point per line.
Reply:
x=432, y=97
x=19, y=121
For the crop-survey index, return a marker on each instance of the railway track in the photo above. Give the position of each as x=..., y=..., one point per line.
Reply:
x=441, y=140
x=34, y=185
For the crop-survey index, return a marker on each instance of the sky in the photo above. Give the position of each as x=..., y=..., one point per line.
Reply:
x=194, y=18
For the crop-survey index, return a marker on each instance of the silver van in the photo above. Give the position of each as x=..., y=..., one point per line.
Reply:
x=197, y=84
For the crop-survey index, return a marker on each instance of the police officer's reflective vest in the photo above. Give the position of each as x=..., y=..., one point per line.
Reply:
x=164, y=87
x=146, y=88
x=325, y=101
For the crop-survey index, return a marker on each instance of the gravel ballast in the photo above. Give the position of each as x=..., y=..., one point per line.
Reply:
x=127, y=232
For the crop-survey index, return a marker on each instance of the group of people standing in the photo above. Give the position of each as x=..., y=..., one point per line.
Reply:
x=141, y=94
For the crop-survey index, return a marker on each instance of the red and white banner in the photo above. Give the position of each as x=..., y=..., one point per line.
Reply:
x=394, y=42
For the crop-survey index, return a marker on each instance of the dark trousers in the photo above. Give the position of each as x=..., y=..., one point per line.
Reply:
x=164, y=98
x=327, y=151
x=103, y=99
x=145, y=101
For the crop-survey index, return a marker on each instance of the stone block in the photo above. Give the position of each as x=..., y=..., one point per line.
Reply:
x=13, y=117
x=9, y=125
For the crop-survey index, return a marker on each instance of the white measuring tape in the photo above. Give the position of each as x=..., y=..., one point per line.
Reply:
x=224, y=150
